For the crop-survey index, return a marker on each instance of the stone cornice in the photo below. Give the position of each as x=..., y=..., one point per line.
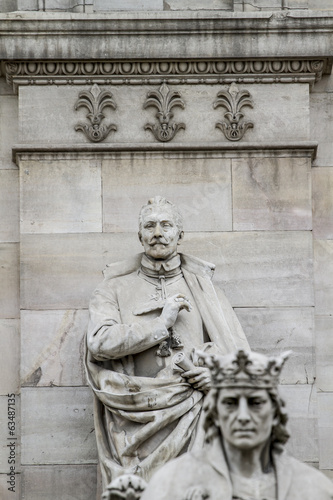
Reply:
x=160, y=34
x=23, y=152
x=147, y=72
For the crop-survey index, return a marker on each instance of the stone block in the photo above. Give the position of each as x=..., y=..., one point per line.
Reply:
x=9, y=205
x=61, y=271
x=325, y=429
x=10, y=356
x=324, y=85
x=321, y=113
x=259, y=269
x=61, y=5
x=198, y=4
x=42, y=122
x=9, y=434
x=110, y=5
x=320, y=5
x=324, y=349
x=60, y=196
x=200, y=187
x=5, y=88
x=271, y=194
x=57, y=426
x=276, y=330
x=52, y=348
x=9, y=279
x=323, y=276
x=263, y=4
x=27, y=4
x=49, y=482
x=301, y=404
x=296, y=4
x=8, y=6
x=5, y=494
x=8, y=129
x=322, y=189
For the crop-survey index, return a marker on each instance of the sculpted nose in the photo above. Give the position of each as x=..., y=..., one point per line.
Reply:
x=157, y=231
x=243, y=412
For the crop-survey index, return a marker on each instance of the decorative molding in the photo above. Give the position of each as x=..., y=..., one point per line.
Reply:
x=164, y=100
x=234, y=100
x=95, y=101
x=153, y=72
x=27, y=152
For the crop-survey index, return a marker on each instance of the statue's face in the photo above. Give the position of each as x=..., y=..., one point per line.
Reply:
x=245, y=417
x=159, y=234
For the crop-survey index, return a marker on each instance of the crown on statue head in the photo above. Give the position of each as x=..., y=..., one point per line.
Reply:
x=245, y=369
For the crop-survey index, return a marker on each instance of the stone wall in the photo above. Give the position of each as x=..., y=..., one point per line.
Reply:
x=261, y=209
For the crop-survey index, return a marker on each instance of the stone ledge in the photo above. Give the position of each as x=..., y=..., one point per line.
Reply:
x=201, y=34
x=23, y=152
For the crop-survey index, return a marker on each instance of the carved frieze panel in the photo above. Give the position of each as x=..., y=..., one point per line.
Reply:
x=164, y=100
x=151, y=72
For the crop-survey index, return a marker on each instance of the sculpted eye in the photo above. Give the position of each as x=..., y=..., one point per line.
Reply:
x=256, y=403
x=230, y=402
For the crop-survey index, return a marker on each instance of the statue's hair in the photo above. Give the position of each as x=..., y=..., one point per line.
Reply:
x=159, y=201
x=279, y=434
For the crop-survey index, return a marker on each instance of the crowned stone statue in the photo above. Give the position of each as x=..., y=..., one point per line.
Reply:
x=243, y=458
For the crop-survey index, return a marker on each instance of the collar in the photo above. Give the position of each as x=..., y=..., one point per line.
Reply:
x=152, y=267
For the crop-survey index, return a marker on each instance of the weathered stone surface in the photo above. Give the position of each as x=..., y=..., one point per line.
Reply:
x=61, y=271
x=10, y=353
x=325, y=429
x=322, y=188
x=254, y=269
x=259, y=268
x=68, y=200
x=324, y=349
x=301, y=405
x=110, y=5
x=320, y=5
x=296, y=4
x=271, y=194
x=323, y=277
x=9, y=205
x=198, y=4
x=9, y=278
x=8, y=129
x=324, y=85
x=200, y=187
x=52, y=348
x=5, y=494
x=275, y=330
x=57, y=426
x=70, y=482
x=9, y=444
x=321, y=112
x=39, y=118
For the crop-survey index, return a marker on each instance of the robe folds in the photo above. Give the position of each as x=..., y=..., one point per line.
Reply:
x=205, y=474
x=145, y=412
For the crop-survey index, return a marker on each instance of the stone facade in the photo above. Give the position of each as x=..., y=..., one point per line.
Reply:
x=260, y=208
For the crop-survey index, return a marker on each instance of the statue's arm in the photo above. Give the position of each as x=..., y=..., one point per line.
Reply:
x=109, y=338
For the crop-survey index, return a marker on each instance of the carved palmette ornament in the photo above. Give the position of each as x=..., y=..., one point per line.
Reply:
x=95, y=100
x=164, y=100
x=234, y=127
x=125, y=487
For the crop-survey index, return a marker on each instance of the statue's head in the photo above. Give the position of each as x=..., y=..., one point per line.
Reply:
x=244, y=404
x=160, y=228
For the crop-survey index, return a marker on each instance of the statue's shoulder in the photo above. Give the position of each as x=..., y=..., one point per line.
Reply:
x=123, y=267
x=197, y=266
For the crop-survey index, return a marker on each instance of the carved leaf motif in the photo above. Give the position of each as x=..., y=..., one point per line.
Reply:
x=95, y=101
x=164, y=101
x=233, y=100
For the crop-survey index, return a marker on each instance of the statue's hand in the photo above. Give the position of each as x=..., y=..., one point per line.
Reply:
x=172, y=307
x=199, y=377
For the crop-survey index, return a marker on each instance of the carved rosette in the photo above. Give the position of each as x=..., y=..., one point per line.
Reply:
x=234, y=100
x=95, y=101
x=164, y=100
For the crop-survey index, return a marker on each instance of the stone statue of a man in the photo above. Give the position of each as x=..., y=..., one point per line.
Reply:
x=147, y=309
x=243, y=458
